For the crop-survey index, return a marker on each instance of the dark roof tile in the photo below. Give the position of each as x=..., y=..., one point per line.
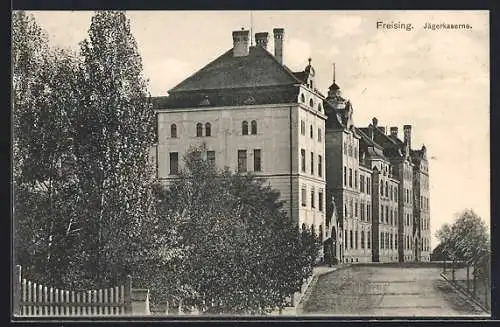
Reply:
x=258, y=69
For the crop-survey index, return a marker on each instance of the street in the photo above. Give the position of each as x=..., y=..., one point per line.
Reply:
x=386, y=290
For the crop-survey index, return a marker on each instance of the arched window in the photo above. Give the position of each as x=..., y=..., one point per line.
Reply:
x=302, y=98
x=254, y=127
x=208, y=129
x=244, y=128
x=173, y=131
x=199, y=129
x=311, y=103
x=319, y=107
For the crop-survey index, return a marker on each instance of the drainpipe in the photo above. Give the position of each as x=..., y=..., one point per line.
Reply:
x=291, y=167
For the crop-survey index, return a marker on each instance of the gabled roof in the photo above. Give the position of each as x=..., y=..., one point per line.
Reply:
x=258, y=69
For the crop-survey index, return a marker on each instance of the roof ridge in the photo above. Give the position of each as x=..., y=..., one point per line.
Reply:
x=202, y=68
x=285, y=68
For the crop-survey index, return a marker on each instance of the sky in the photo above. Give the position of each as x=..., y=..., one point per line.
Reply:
x=435, y=80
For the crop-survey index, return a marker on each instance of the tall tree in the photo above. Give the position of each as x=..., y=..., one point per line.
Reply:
x=112, y=141
x=43, y=97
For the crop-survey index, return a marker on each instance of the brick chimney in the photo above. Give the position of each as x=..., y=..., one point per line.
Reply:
x=261, y=39
x=394, y=131
x=279, y=34
x=407, y=135
x=240, y=43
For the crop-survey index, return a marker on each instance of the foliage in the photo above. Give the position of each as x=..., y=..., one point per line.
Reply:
x=83, y=132
x=466, y=239
x=242, y=252
x=43, y=97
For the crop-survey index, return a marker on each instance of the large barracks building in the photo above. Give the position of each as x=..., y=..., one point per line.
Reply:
x=362, y=189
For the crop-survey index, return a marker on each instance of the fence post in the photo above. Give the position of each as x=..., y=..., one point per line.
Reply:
x=17, y=290
x=128, y=295
x=468, y=282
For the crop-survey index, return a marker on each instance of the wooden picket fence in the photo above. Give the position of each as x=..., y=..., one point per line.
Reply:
x=34, y=299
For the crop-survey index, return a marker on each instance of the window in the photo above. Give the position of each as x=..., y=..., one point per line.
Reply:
x=368, y=212
x=381, y=188
x=254, y=127
x=320, y=200
x=396, y=241
x=244, y=128
x=390, y=241
x=345, y=209
x=362, y=239
x=312, y=163
x=242, y=161
x=320, y=165
x=173, y=131
x=208, y=129
x=302, y=98
x=302, y=127
x=356, y=239
x=350, y=177
x=362, y=183
x=368, y=185
x=355, y=209
x=390, y=192
x=387, y=240
x=303, y=159
x=351, y=205
x=174, y=163
x=303, y=198
x=321, y=233
x=350, y=239
x=345, y=176
x=356, y=179
x=369, y=240
x=362, y=211
x=319, y=135
x=381, y=213
x=345, y=240
x=319, y=107
x=199, y=130
x=311, y=102
x=313, y=204
x=387, y=214
x=381, y=240
x=211, y=157
x=257, y=160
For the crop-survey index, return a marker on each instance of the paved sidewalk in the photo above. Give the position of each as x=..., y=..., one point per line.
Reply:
x=317, y=271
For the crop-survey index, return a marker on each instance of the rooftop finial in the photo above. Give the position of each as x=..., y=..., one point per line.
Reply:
x=309, y=59
x=334, y=73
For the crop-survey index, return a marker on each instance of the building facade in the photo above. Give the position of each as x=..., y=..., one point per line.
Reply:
x=364, y=192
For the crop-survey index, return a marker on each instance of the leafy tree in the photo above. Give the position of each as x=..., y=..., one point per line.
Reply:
x=43, y=97
x=113, y=134
x=242, y=254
